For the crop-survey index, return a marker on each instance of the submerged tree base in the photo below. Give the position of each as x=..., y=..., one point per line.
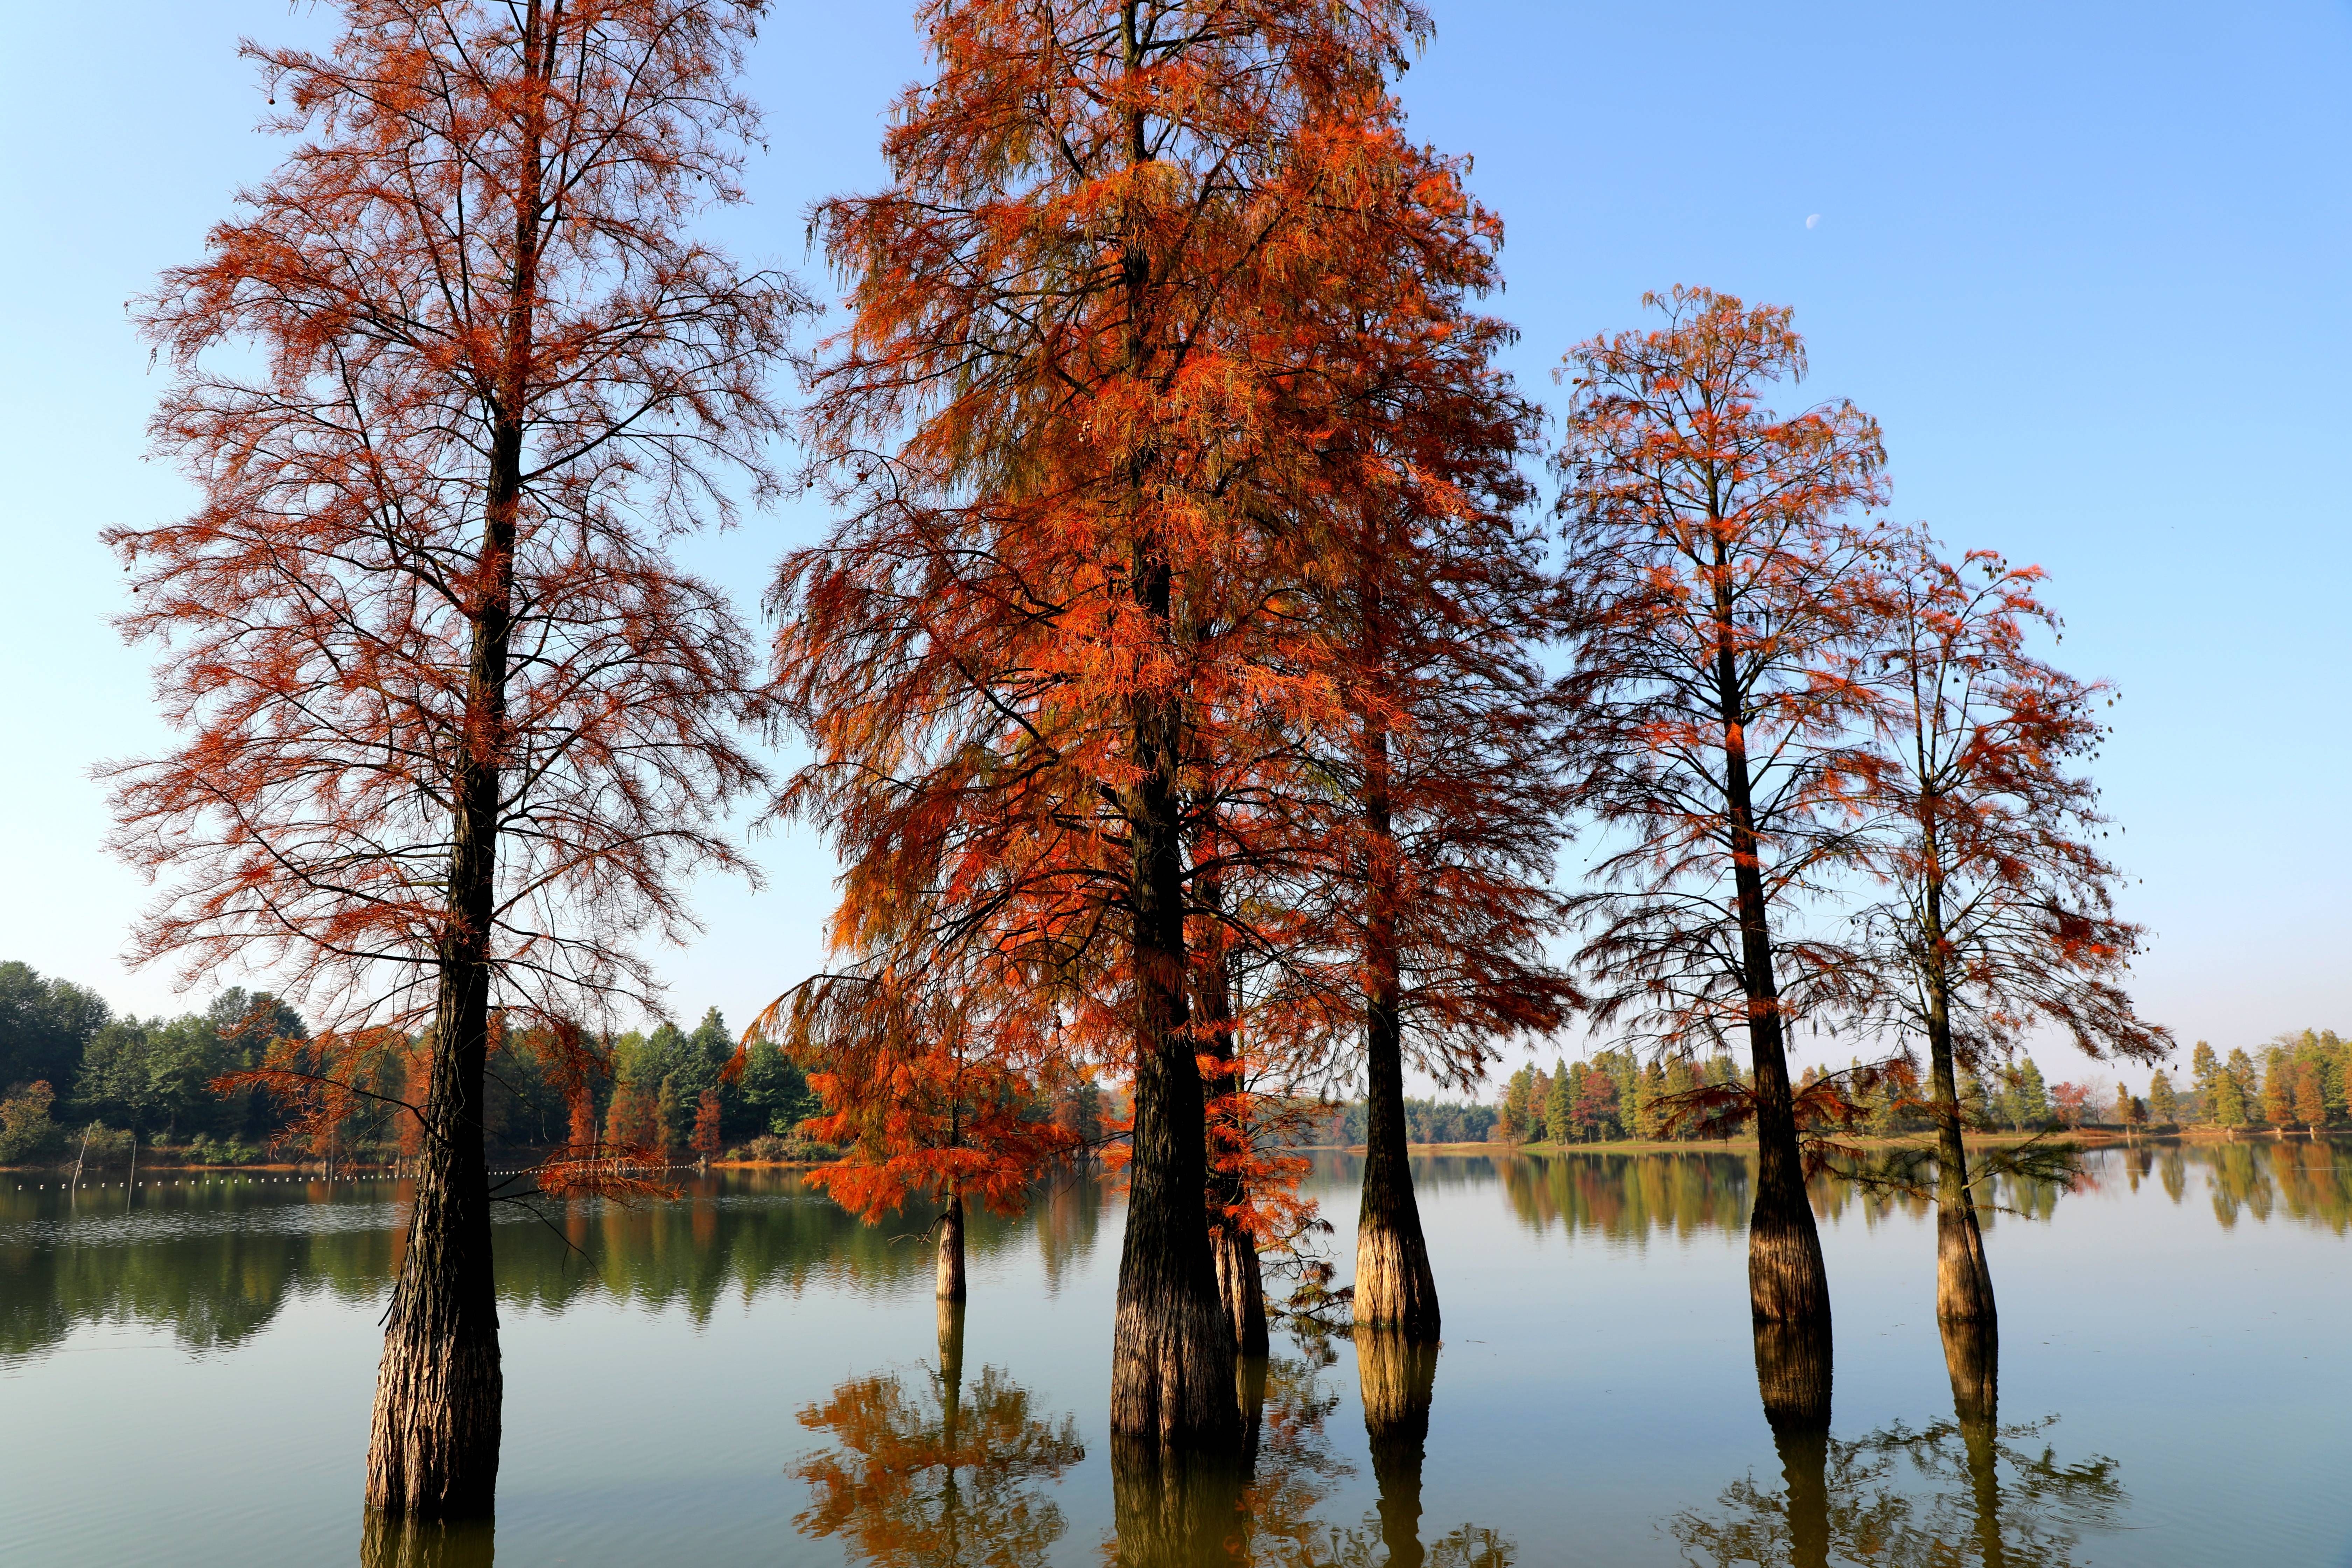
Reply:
x=1786, y=1281
x=1395, y=1290
x=1172, y=1365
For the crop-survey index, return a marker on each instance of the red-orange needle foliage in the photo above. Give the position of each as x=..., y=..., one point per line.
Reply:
x=454, y=728
x=1722, y=592
x=705, y=1142
x=925, y=1100
x=1044, y=633
x=2001, y=911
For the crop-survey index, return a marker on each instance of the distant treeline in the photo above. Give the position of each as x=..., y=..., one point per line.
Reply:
x=1425, y=1121
x=78, y=1079
x=2298, y=1083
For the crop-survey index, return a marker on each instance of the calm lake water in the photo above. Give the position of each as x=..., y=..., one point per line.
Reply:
x=745, y=1376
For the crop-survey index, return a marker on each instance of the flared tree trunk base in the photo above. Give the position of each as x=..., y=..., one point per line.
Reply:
x=432, y=1443
x=1395, y=1290
x=1786, y=1281
x=1963, y=1277
x=1172, y=1363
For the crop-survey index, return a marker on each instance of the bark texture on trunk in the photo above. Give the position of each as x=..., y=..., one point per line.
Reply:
x=1394, y=1287
x=1241, y=1285
x=1398, y=1378
x=1173, y=1342
x=1963, y=1277
x=950, y=1284
x=387, y=1541
x=1786, y=1281
x=1793, y=1375
x=1240, y=1275
x=433, y=1444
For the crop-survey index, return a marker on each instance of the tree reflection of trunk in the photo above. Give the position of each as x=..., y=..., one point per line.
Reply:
x=391, y=1542
x=1972, y=1355
x=1175, y=1508
x=951, y=1363
x=1793, y=1375
x=1398, y=1378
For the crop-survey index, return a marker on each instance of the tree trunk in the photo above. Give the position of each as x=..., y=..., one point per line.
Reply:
x=1394, y=1286
x=1172, y=1344
x=432, y=1451
x=951, y=1314
x=1241, y=1286
x=1963, y=1277
x=1794, y=1373
x=951, y=1262
x=1240, y=1275
x=1398, y=1377
x=1786, y=1281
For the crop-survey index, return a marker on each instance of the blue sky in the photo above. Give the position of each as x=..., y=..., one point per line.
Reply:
x=2090, y=265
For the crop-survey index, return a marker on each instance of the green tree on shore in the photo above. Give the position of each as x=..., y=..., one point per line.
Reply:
x=1560, y=1107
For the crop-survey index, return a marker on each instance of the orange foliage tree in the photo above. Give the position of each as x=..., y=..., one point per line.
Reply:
x=706, y=1141
x=1074, y=428
x=455, y=728
x=1431, y=805
x=928, y=1099
x=2000, y=914
x=1722, y=594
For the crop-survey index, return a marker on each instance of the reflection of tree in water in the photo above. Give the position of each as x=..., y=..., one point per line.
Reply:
x=1258, y=1508
x=941, y=1475
x=389, y=1542
x=214, y=1264
x=1929, y=1497
x=1628, y=1196
x=1967, y=1491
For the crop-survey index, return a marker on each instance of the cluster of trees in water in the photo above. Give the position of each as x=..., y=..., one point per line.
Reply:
x=1191, y=694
